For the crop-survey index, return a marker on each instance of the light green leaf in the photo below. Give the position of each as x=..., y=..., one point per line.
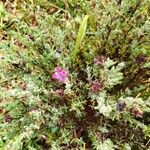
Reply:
x=127, y=146
x=147, y=65
x=80, y=36
x=103, y=109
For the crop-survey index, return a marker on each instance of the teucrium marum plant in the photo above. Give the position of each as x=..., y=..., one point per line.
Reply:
x=74, y=75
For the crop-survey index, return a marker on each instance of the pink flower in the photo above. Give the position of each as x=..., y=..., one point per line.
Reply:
x=100, y=60
x=58, y=69
x=136, y=112
x=59, y=92
x=60, y=75
x=96, y=86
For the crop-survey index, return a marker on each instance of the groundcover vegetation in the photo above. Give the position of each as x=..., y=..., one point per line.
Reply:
x=74, y=74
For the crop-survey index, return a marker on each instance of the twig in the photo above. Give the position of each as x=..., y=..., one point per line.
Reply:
x=59, y=8
x=147, y=143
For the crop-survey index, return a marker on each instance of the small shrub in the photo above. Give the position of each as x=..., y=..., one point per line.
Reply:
x=74, y=75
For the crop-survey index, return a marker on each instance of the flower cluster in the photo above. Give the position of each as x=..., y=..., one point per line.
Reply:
x=121, y=106
x=96, y=86
x=69, y=81
x=99, y=60
x=60, y=75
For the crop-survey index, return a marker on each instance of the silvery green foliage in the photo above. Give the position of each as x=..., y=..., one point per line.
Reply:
x=37, y=36
x=130, y=101
x=111, y=75
x=103, y=107
x=127, y=146
x=136, y=102
x=110, y=72
x=114, y=75
x=106, y=145
x=17, y=142
x=68, y=87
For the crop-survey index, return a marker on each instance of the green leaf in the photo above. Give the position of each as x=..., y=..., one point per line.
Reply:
x=80, y=36
x=127, y=146
x=147, y=65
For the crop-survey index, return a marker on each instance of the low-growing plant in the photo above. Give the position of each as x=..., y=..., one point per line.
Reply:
x=74, y=75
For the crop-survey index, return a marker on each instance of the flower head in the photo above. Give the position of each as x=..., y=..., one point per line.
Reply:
x=60, y=75
x=140, y=59
x=100, y=60
x=58, y=69
x=59, y=92
x=136, y=112
x=121, y=106
x=96, y=86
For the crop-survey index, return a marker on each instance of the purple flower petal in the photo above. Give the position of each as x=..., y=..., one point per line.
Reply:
x=100, y=60
x=58, y=69
x=60, y=75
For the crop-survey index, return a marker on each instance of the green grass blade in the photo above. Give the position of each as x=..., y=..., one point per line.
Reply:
x=80, y=36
